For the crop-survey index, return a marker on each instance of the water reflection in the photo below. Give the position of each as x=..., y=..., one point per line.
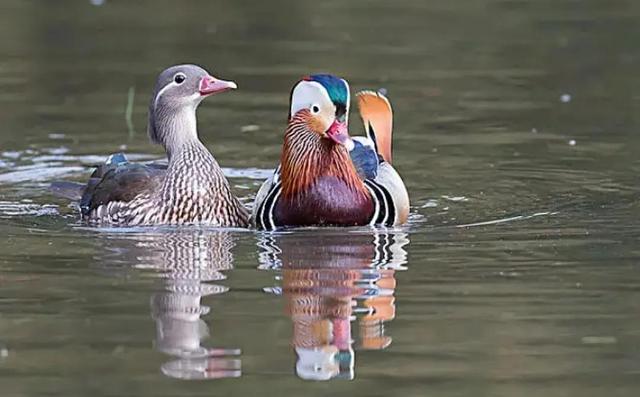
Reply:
x=332, y=283
x=187, y=261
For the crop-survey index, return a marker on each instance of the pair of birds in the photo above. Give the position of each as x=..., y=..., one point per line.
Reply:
x=325, y=177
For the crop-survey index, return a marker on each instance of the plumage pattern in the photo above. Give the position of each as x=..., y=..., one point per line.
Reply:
x=337, y=89
x=381, y=197
x=317, y=184
x=193, y=190
x=190, y=190
x=365, y=158
x=377, y=117
x=306, y=156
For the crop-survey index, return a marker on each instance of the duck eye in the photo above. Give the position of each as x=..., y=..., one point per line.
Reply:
x=315, y=109
x=179, y=78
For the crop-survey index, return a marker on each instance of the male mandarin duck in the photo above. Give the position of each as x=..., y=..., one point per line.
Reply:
x=325, y=177
x=191, y=189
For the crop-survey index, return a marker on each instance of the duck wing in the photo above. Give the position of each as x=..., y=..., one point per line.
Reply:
x=375, y=148
x=377, y=117
x=372, y=157
x=119, y=180
x=365, y=158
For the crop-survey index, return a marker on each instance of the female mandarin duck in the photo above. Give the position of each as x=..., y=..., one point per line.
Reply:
x=325, y=177
x=191, y=190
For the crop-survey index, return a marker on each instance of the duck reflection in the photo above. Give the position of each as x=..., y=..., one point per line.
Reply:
x=187, y=261
x=330, y=281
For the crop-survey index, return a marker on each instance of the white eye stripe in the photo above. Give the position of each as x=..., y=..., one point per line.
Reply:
x=348, y=99
x=159, y=94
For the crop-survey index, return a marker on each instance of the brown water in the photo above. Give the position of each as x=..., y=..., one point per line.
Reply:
x=516, y=133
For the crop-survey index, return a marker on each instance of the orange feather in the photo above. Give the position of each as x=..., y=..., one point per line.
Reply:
x=306, y=156
x=377, y=115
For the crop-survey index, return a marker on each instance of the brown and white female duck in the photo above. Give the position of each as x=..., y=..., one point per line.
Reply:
x=191, y=189
x=325, y=177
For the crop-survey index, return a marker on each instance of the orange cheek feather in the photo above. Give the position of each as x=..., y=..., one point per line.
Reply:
x=316, y=125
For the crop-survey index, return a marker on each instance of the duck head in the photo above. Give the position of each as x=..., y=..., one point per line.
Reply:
x=176, y=96
x=321, y=102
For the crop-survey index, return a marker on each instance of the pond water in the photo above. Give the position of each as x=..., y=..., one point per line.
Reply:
x=516, y=132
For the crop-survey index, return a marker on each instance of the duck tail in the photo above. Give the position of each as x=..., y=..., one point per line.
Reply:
x=68, y=190
x=377, y=116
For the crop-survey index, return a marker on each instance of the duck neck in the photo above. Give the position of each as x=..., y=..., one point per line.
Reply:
x=306, y=157
x=194, y=175
x=192, y=168
x=174, y=129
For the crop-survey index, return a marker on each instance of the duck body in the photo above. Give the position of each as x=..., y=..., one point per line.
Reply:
x=321, y=181
x=190, y=189
x=329, y=201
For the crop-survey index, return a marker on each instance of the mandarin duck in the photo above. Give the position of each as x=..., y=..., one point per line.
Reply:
x=190, y=189
x=326, y=178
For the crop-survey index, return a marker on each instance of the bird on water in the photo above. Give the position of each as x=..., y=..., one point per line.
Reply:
x=190, y=189
x=325, y=177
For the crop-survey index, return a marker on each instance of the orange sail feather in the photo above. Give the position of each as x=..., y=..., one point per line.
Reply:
x=377, y=116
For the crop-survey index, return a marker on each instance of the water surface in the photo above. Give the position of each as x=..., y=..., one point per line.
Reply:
x=516, y=133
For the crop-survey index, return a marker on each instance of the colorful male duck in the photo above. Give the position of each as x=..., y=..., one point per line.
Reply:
x=325, y=177
x=191, y=190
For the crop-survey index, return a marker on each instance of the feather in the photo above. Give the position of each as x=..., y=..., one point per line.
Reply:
x=306, y=157
x=377, y=116
x=119, y=180
x=364, y=158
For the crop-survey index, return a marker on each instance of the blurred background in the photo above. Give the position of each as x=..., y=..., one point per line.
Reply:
x=515, y=132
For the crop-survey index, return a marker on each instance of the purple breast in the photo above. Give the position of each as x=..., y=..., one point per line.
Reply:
x=328, y=202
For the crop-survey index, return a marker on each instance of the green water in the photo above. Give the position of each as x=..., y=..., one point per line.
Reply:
x=516, y=132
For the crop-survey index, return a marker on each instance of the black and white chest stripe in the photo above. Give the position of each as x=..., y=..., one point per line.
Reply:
x=385, y=211
x=264, y=215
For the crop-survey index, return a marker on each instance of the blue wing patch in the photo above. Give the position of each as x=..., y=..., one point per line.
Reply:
x=116, y=159
x=365, y=158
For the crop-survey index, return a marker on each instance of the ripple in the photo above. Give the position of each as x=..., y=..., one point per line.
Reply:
x=45, y=171
x=9, y=209
x=48, y=164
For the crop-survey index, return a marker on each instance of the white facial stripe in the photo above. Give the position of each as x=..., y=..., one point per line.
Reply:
x=196, y=97
x=308, y=93
x=346, y=116
x=166, y=87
